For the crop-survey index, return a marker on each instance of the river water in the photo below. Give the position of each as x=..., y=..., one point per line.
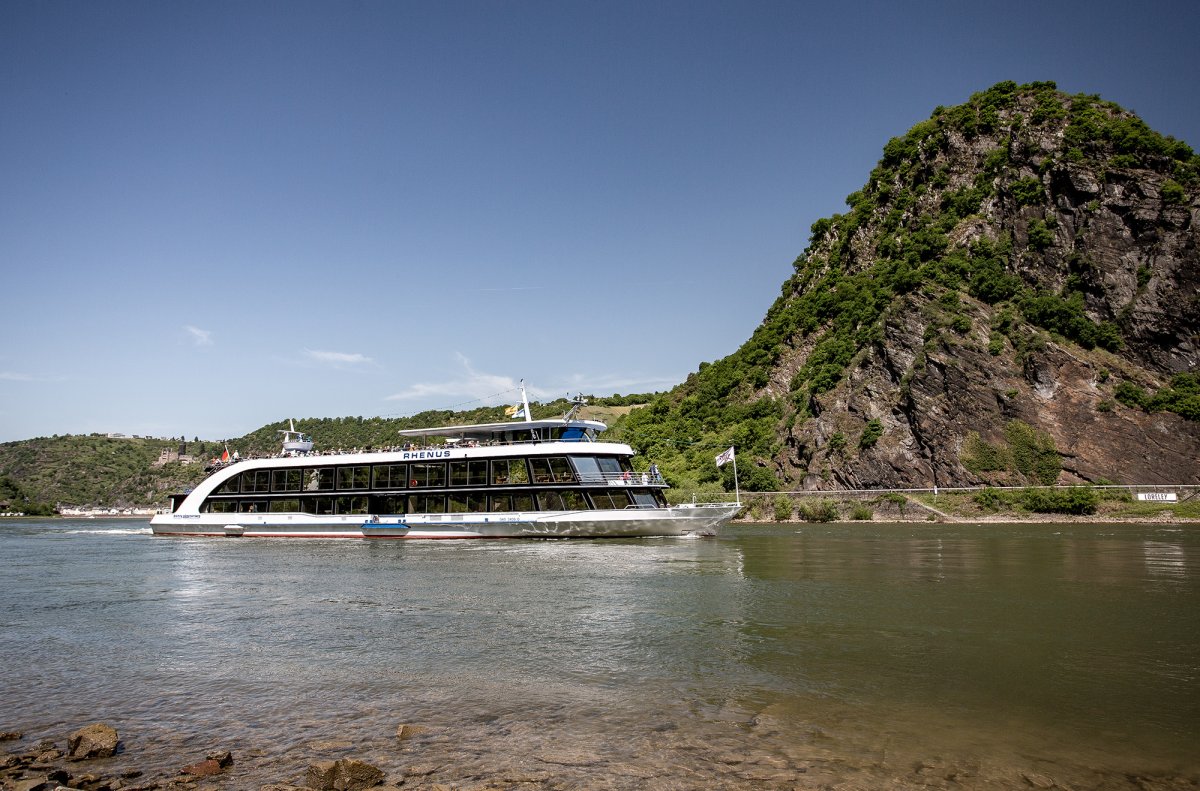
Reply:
x=773, y=656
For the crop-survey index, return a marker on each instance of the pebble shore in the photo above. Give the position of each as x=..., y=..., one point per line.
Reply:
x=86, y=764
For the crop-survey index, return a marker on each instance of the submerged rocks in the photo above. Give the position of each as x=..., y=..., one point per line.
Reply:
x=92, y=741
x=345, y=774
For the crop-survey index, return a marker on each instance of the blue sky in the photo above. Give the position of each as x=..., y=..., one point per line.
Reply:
x=217, y=215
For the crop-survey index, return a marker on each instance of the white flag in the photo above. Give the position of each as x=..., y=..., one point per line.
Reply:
x=725, y=458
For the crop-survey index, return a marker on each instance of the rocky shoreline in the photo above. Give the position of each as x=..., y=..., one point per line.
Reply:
x=46, y=767
x=87, y=765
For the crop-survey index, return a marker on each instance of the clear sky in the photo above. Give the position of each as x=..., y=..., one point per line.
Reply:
x=216, y=215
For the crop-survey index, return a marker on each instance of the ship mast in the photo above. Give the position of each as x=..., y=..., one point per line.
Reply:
x=525, y=403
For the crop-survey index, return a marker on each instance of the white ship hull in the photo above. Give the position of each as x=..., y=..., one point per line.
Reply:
x=683, y=520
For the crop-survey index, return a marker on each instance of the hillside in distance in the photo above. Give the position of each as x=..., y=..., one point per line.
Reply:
x=97, y=471
x=1012, y=297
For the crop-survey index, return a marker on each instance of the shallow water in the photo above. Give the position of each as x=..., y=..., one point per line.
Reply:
x=773, y=656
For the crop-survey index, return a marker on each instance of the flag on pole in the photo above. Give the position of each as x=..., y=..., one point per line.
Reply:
x=515, y=411
x=225, y=455
x=725, y=458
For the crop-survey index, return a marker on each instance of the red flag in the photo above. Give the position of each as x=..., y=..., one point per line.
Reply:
x=225, y=455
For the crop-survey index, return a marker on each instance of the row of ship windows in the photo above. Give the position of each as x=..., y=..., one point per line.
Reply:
x=473, y=502
x=423, y=475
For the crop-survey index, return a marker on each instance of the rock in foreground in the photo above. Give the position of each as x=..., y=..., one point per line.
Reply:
x=343, y=775
x=92, y=741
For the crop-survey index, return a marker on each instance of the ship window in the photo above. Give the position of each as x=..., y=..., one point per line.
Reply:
x=550, y=501
x=286, y=480
x=644, y=498
x=512, y=502
x=222, y=506
x=289, y=506
x=388, y=503
x=253, y=506
x=354, y=478
x=613, y=498
x=609, y=465
x=230, y=486
x=391, y=476
x=467, y=503
x=588, y=469
x=317, y=505
x=574, y=501
x=427, y=475
x=554, y=469
x=320, y=480
x=256, y=481
x=428, y=503
x=469, y=472
x=509, y=471
x=352, y=505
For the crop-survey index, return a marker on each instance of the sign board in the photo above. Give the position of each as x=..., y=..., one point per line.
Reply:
x=1158, y=497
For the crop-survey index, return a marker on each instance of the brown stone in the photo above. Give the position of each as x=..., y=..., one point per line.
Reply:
x=204, y=768
x=405, y=731
x=223, y=757
x=8, y=736
x=345, y=774
x=92, y=741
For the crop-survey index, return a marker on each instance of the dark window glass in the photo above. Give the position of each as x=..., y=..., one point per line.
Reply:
x=613, y=498
x=588, y=469
x=645, y=498
x=541, y=470
x=506, y=472
x=427, y=503
x=550, y=501
x=319, y=480
x=390, y=476
x=467, y=503
x=354, y=477
x=608, y=464
x=222, y=506
x=317, y=505
x=256, y=481
x=230, y=486
x=500, y=502
x=553, y=469
x=253, y=506
x=285, y=506
x=356, y=504
x=427, y=475
x=574, y=501
x=468, y=472
x=389, y=504
x=286, y=480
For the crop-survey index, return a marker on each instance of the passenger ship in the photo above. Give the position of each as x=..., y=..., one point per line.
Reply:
x=516, y=479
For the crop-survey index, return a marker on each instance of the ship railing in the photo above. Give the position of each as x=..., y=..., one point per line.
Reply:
x=620, y=478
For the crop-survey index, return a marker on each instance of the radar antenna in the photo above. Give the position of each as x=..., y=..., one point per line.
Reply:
x=577, y=403
x=295, y=443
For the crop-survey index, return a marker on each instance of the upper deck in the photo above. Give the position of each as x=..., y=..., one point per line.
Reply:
x=513, y=432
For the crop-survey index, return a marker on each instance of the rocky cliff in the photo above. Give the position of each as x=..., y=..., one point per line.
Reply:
x=1013, y=297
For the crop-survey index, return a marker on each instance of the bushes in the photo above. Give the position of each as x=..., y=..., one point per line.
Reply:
x=1182, y=396
x=1076, y=500
x=1028, y=191
x=1073, y=500
x=817, y=511
x=871, y=434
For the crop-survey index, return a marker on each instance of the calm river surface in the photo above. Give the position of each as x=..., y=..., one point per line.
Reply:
x=774, y=656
